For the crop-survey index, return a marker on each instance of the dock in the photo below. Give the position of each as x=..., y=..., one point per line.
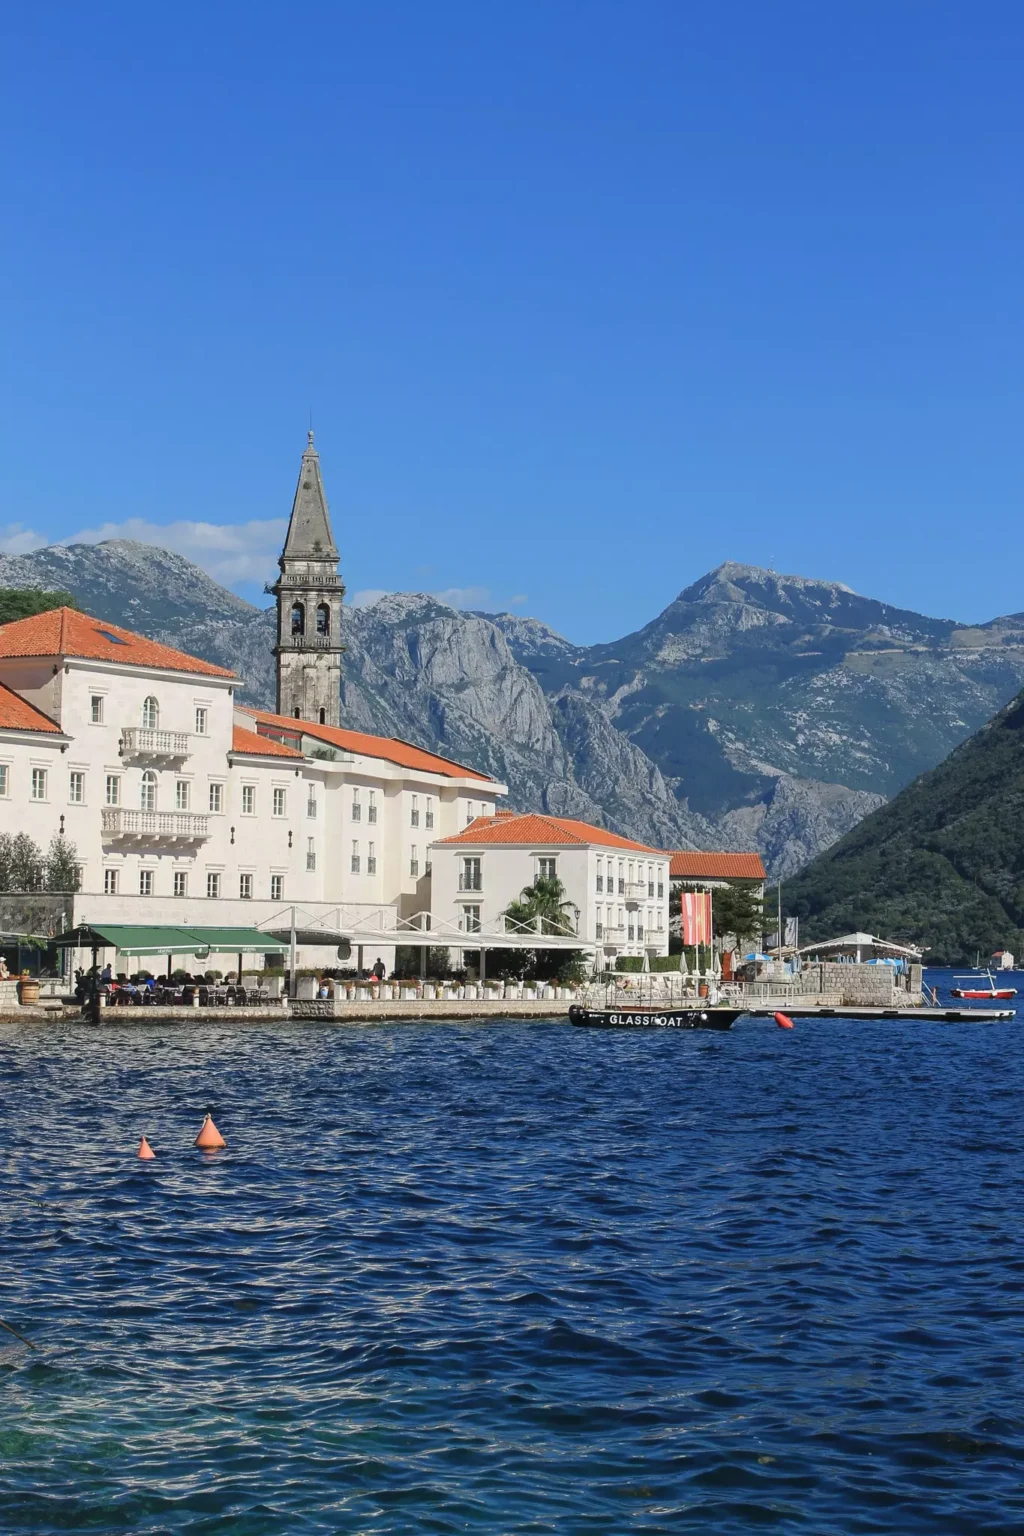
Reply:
x=936, y=1015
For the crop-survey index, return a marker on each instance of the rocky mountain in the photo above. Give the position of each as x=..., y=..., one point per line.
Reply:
x=756, y=710
x=942, y=864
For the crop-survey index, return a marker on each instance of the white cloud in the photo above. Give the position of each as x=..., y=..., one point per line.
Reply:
x=229, y=552
x=367, y=596
x=16, y=539
x=463, y=597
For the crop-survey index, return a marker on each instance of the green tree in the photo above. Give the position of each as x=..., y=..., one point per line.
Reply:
x=21, y=863
x=544, y=899
x=62, y=871
x=23, y=602
x=737, y=909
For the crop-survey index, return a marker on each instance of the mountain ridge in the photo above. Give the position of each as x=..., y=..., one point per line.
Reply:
x=756, y=709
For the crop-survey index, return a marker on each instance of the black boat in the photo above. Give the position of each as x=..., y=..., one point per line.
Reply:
x=653, y=1018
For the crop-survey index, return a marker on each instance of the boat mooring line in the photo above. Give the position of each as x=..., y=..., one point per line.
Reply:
x=18, y=1335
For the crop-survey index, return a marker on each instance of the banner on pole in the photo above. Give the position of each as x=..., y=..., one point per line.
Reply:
x=793, y=932
x=696, y=923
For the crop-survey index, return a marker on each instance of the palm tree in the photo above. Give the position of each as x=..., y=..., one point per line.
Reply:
x=544, y=899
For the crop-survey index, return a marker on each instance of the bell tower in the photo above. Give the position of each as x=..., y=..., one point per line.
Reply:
x=309, y=593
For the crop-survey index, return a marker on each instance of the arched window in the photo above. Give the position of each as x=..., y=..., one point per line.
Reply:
x=298, y=619
x=147, y=796
x=150, y=714
x=323, y=717
x=323, y=619
x=298, y=715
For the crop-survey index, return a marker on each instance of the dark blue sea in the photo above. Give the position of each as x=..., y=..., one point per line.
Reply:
x=514, y=1278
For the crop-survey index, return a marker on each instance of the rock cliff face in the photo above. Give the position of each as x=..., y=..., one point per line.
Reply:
x=757, y=710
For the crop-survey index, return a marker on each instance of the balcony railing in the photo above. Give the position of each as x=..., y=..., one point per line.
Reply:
x=636, y=890
x=155, y=826
x=140, y=741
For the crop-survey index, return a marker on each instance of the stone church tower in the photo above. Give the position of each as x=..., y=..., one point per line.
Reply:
x=309, y=593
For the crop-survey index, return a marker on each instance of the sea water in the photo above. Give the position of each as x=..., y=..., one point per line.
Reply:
x=512, y=1278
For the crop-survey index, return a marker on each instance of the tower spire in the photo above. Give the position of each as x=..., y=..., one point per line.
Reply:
x=309, y=593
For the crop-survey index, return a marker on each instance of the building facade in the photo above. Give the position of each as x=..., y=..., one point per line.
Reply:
x=616, y=890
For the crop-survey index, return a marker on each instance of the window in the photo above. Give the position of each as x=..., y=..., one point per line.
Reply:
x=213, y=886
x=147, y=791
x=145, y=882
x=150, y=714
x=322, y=717
x=110, y=882
x=96, y=709
x=470, y=812
x=248, y=799
x=470, y=920
x=427, y=866
x=371, y=809
x=650, y=880
x=38, y=783
x=371, y=859
x=414, y=862
x=277, y=887
x=113, y=790
x=599, y=925
x=180, y=883
x=640, y=932
x=5, y=781
x=470, y=877
x=661, y=890
x=310, y=853
x=661, y=921
x=216, y=797
x=76, y=788
x=201, y=717
x=632, y=930
x=357, y=810
x=323, y=619
x=430, y=813
x=182, y=794
x=245, y=887
x=311, y=804
x=298, y=619
x=546, y=869
x=280, y=802
x=622, y=879
x=355, y=857
x=414, y=815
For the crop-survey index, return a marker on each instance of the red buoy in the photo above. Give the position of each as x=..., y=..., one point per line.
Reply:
x=145, y=1150
x=209, y=1137
x=783, y=1021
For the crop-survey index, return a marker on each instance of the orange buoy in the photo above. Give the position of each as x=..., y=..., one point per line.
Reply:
x=209, y=1137
x=145, y=1150
x=783, y=1021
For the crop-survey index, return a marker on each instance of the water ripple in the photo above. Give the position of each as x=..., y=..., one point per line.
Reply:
x=521, y=1279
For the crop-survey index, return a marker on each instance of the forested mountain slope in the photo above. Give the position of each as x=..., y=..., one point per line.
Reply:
x=941, y=865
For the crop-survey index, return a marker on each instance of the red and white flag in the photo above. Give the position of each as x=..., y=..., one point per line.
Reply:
x=696, y=917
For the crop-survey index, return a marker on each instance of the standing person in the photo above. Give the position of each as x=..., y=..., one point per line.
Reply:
x=379, y=971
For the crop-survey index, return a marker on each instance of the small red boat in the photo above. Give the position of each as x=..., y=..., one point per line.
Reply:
x=979, y=991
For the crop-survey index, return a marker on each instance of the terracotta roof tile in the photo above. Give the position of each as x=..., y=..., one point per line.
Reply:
x=533, y=829
x=16, y=714
x=66, y=632
x=386, y=747
x=687, y=865
x=248, y=743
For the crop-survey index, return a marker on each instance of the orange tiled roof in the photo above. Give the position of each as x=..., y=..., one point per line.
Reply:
x=533, y=829
x=686, y=865
x=16, y=714
x=248, y=742
x=66, y=632
x=386, y=747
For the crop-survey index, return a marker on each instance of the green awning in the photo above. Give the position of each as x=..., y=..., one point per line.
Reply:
x=141, y=939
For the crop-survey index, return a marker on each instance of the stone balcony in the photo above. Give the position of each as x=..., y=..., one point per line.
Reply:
x=154, y=828
x=141, y=742
x=636, y=892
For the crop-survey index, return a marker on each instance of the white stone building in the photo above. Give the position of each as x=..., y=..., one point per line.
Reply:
x=617, y=890
x=187, y=808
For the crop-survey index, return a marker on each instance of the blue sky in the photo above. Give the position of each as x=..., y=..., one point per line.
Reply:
x=585, y=297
